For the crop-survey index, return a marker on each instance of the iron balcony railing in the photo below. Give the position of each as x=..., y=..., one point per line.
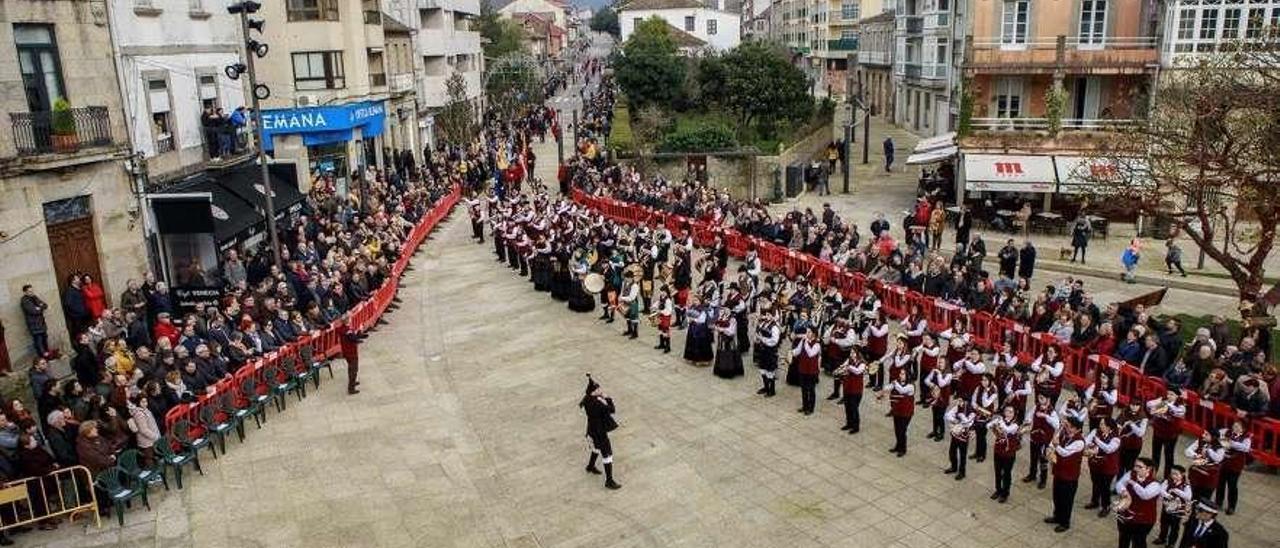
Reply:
x=1040, y=124
x=33, y=132
x=843, y=44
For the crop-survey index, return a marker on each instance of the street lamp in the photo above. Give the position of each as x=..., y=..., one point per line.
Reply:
x=254, y=50
x=848, y=152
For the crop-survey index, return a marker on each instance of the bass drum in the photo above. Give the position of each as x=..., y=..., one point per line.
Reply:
x=593, y=283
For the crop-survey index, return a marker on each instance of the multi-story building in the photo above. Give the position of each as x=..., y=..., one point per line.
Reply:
x=327, y=73
x=928, y=35
x=446, y=43
x=755, y=19
x=874, y=77
x=713, y=22
x=1201, y=26
x=1102, y=55
x=402, y=109
x=67, y=204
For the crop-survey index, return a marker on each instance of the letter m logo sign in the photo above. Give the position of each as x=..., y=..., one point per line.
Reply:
x=1009, y=168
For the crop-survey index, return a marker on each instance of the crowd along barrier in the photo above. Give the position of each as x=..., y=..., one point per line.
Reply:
x=326, y=343
x=987, y=331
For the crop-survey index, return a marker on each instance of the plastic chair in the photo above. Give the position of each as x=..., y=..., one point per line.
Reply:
x=281, y=385
x=182, y=433
x=174, y=459
x=217, y=428
x=301, y=373
x=129, y=463
x=257, y=401
x=307, y=354
x=119, y=491
x=229, y=405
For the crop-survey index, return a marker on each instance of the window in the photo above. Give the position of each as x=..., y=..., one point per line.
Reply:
x=689, y=23
x=318, y=70
x=1208, y=29
x=711, y=26
x=1231, y=24
x=1013, y=25
x=1186, y=30
x=1093, y=22
x=41, y=70
x=161, y=119
x=312, y=10
x=209, y=92
x=849, y=11
x=635, y=23
x=1008, y=98
x=1254, y=25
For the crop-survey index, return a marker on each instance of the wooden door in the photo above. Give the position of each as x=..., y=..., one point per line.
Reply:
x=75, y=250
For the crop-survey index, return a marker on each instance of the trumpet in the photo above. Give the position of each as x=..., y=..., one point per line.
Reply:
x=1051, y=452
x=1091, y=451
x=1121, y=507
x=1161, y=408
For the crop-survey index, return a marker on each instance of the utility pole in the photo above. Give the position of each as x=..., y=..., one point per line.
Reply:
x=866, y=121
x=850, y=65
x=254, y=48
x=848, y=150
x=559, y=139
x=575, y=129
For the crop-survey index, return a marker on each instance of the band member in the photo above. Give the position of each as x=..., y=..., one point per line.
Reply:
x=838, y=343
x=609, y=295
x=1206, y=456
x=902, y=406
x=914, y=326
x=1066, y=453
x=939, y=386
x=1018, y=391
x=728, y=360
x=805, y=360
x=477, y=219
x=1073, y=409
x=736, y=303
x=768, y=335
x=1132, y=426
x=629, y=302
x=1102, y=447
x=599, y=410
x=1204, y=531
x=1005, y=363
x=955, y=340
x=1238, y=443
x=1176, y=504
x=1100, y=400
x=899, y=358
x=540, y=264
x=665, y=308
x=1048, y=369
x=868, y=307
x=699, y=337
x=499, y=238
x=1140, y=488
x=1044, y=426
x=579, y=299
x=876, y=338
x=926, y=361
x=682, y=277
x=852, y=374
x=1007, y=430
x=969, y=372
x=960, y=424
x=1166, y=425
x=983, y=403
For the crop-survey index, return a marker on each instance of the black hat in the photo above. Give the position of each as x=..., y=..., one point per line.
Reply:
x=1205, y=505
x=591, y=385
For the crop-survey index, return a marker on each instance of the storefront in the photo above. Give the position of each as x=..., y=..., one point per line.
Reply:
x=330, y=140
x=1009, y=173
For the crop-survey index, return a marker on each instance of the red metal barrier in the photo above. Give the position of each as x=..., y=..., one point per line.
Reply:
x=893, y=301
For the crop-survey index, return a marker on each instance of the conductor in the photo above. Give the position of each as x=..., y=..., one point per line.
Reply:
x=599, y=409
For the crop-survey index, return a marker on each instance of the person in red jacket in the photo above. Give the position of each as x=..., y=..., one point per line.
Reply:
x=1068, y=452
x=1142, y=490
x=165, y=329
x=350, y=341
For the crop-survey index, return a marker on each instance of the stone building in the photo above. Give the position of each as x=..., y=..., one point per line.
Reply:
x=67, y=204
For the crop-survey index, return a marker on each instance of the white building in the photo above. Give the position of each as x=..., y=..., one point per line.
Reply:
x=715, y=22
x=171, y=57
x=446, y=43
x=1201, y=26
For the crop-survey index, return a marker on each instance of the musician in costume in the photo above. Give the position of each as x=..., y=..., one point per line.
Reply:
x=698, y=341
x=899, y=358
x=1007, y=431
x=1166, y=425
x=838, y=342
x=1100, y=399
x=1102, y=448
x=902, y=406
x=1175, y=505
x=868, y=307
x=682, y=278
x=805, y=360
x=914, y=326
x=1136, y=517
x=665, y=308
x=599, y=409
x=540, y=265
x=768, y=337
x=984, y=406
x=609, y=295
x=960, y=425
x=1066, y=454
x=1044, y=426
x=1048, y=368
x=579, y=299
x=736, y=303
x=955, y=340
x=969, y=371
x=852, y=374
x=629, y=302
x=875, y=336
x=1206, y=454
x=1018, y=391
x=728, y=360
x=939, y=386
x=1238, y=443
x=1132, y=426
x=927, y=356
x=477, y=219
x=1005, y=363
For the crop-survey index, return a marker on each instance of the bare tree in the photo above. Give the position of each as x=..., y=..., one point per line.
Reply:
x=1207, y=158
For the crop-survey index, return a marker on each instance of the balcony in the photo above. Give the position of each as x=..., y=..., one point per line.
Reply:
x=377, y=80
x=1042, y=124
x=873, y=57
x=843, y=44
x=401, y=83
x=86, y=127
x=925, y=73
x=1107, y=55
x=448, y=42
x=464, y=6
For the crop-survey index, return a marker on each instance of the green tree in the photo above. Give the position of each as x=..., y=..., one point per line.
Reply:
x=499, y=36
x=759, y=85
x=605, y=20
x=649, y=68
x=514, y=81
x=456, y=121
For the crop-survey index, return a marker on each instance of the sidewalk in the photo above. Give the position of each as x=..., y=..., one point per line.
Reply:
x=893, y=194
